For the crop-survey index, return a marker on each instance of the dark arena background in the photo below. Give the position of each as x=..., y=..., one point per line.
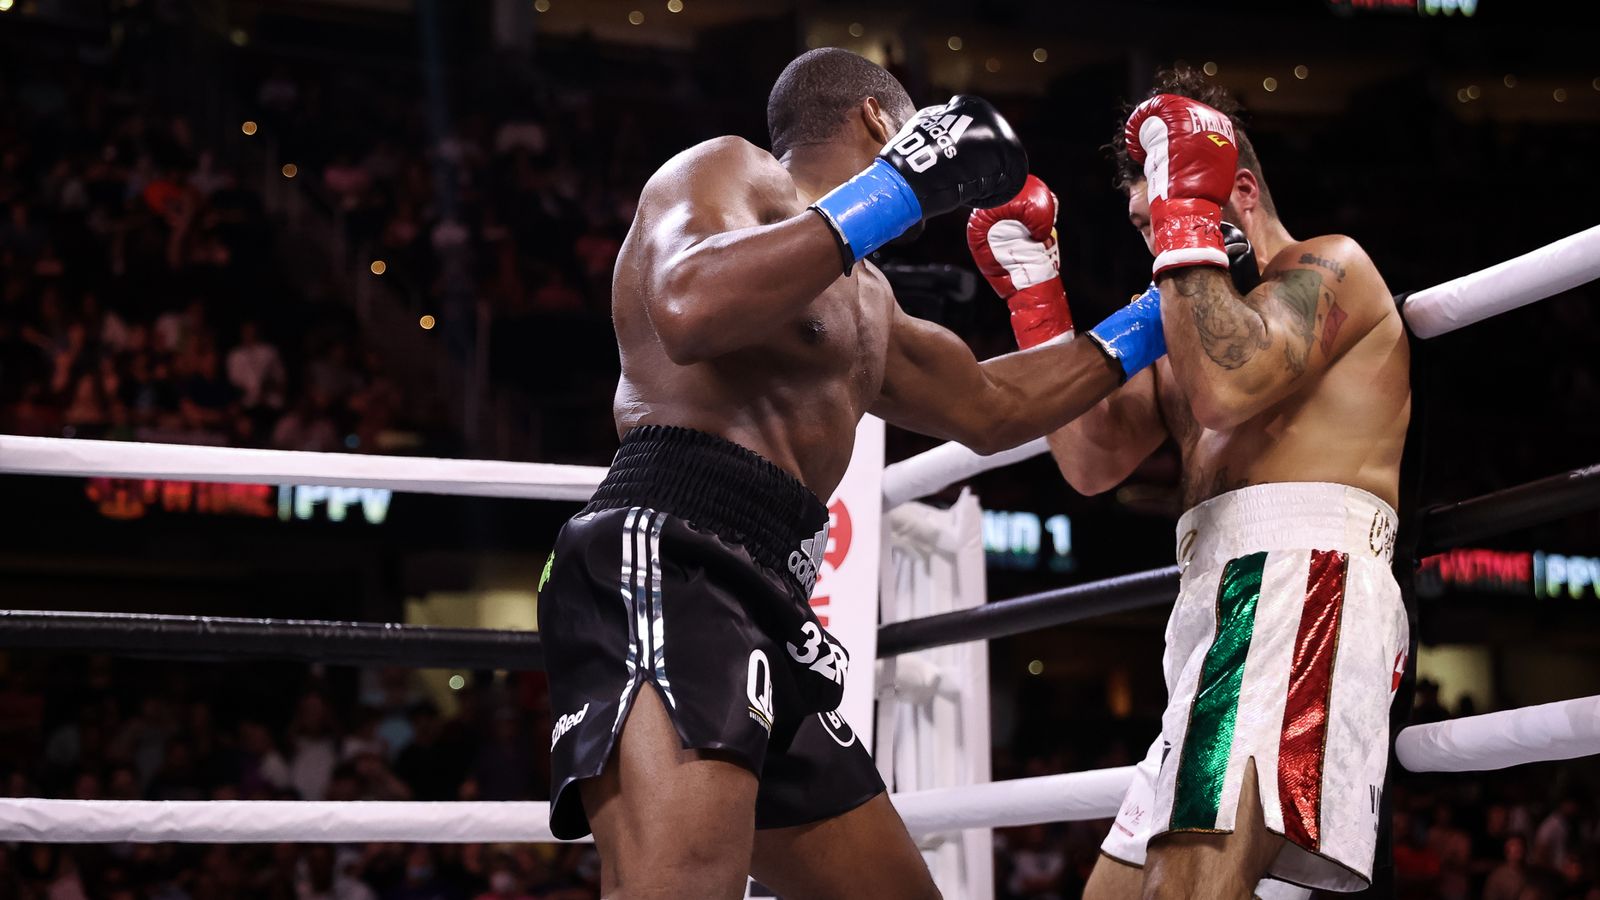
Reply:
x=388, y=227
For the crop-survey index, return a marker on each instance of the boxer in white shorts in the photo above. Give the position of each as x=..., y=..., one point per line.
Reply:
x=1286, y=390
x=1283, y=648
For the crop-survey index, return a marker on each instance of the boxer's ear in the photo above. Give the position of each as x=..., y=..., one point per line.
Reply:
x=878, y=123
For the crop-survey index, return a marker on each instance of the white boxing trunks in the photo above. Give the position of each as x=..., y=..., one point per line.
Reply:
x=1286, y=646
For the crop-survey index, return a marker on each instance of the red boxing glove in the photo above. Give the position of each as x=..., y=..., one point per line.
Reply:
x=1014, y=245
x=1189, y=158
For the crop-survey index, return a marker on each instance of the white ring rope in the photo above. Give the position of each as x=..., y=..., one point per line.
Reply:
x=1073, y=797
x=179, y=462
x=271, y=821
x=1498, y=740
x=1501, y=288
x=1564, y=730
x=933, y=471
x=1430, y=312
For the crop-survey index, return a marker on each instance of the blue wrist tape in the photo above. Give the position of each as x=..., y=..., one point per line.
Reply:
x=1132, y=335
x=870, y=210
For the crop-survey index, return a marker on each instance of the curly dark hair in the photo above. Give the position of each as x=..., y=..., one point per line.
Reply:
x=1190, y=83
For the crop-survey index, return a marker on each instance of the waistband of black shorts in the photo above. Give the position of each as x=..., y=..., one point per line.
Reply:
x=721, y=487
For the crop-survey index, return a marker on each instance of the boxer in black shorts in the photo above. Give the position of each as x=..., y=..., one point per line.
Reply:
x=693, y=689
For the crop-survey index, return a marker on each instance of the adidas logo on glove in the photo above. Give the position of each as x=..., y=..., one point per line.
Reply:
x=944, y=131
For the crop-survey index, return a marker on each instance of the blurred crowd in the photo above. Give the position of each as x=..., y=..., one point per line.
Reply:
x=142, y=296
x=499, y=207
x=89, y=728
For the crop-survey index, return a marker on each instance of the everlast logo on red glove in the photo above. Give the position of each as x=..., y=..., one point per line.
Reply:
x=1206, y=119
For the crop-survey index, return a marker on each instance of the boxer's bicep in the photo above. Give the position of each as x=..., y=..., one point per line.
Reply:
x=935, y=385
x=1352, y=299
x=1240, y=355
x=729, y=253
x=928, y=374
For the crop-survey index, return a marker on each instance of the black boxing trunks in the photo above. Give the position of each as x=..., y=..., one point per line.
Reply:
x=690, y=573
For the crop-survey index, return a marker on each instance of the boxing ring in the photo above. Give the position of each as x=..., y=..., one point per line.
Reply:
x=932, y=719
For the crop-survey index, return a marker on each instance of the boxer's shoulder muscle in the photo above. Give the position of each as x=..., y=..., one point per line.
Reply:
x=728, y=177
x=1332, y=283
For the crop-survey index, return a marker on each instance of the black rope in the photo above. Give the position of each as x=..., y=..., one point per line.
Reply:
x=1030, y=612
x=1534, y=503
x=208, y=639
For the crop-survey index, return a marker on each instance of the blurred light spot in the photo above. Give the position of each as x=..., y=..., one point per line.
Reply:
x=351, y=442
x=1210, y=68
x=1040, y=54
x=1035, y=667
x=857, y=29
x=426, y=322
x=457, y=682
x=1595, y=84
x=5, y=5
x=1560, y=95
x=1473, y=92
x=636, y=18
x=1510, y=81
x=1461, y=95
x=541, y=5
x=1270, y=83
x=248, y=127
x=239, y=37
x=290, y=170
x=674, y=6
x=378, y=267
x=954, y=43
x=1302, y=73
x=991, y=65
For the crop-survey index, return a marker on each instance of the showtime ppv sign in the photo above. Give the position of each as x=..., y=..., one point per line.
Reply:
x=1543, y=575
x=1464, y=8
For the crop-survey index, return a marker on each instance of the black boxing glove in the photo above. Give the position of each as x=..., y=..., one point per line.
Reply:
x=962, y=153
x=1241, y=258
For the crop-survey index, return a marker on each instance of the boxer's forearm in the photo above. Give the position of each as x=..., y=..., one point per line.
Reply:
x=933, y=384
x=1234, y=355
x=1099, y=450
x=732, y=290
x=1031, y=393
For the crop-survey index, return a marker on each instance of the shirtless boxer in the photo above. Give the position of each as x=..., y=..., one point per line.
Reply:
x=1289, y=403
x=692, y=685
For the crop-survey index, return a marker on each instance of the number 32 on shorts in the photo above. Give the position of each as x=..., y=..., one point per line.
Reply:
x=825, y=657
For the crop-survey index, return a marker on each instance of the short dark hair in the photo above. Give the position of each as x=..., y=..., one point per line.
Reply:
x=816, y=91
x=1189, y=83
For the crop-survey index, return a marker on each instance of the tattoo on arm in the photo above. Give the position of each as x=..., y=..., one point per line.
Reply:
x=1231, y=332
x=1299, y=290
x=1311, y=259
x=1330, y=327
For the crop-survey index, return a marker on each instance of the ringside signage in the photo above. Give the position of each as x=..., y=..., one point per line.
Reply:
x=135, y=498
x=1546, y=576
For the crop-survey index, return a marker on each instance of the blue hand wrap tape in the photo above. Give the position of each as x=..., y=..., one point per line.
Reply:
x=1132, y=335
x=871, y=209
